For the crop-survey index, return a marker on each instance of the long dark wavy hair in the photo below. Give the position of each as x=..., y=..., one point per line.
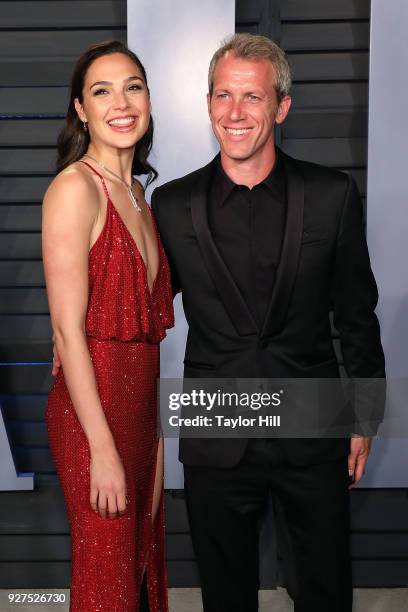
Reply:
x=73, y=141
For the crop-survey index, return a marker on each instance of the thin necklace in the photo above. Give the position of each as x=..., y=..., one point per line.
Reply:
x=132, y=196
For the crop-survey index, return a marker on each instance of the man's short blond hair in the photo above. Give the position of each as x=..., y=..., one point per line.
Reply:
x=253, y=47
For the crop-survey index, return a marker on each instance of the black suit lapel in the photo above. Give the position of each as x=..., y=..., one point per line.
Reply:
x=235, y=305
x=288, y=264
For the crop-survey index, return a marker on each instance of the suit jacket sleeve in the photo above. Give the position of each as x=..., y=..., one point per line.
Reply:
x=175, y=281
x=354, y=297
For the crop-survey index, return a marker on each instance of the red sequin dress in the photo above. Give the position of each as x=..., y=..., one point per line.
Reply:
x=124, y=325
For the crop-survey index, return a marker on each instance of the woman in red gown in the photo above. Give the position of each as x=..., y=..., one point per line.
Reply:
x=110, y=300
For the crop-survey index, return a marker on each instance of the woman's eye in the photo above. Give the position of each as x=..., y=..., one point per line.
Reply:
x=98, y=92
x=135, y=88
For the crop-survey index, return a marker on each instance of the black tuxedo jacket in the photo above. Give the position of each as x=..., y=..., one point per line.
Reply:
x=324, y=266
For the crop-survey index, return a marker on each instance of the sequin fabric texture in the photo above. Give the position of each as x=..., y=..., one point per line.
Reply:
x=124, y=325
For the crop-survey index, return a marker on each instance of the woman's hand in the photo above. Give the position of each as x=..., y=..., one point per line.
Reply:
x=108, y=483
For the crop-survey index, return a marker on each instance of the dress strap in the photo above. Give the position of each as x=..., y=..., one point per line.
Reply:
x=98, y=174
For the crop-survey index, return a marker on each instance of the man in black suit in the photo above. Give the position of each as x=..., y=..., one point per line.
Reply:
x=263, y=247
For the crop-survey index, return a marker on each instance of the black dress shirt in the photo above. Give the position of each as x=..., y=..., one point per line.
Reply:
x=248, y=226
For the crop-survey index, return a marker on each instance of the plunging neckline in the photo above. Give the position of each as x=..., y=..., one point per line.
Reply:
x=127, y=230
x=133, y=241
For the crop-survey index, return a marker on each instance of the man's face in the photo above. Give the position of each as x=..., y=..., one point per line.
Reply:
x=243, y=107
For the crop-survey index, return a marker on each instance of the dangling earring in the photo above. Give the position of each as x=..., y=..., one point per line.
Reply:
x=85, y=126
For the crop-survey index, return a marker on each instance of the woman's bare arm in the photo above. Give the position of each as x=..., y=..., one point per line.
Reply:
x=70, y=211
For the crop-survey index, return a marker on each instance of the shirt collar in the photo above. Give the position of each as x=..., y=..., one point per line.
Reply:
x=274, y=182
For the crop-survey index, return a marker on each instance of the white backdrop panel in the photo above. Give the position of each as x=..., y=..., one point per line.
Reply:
x=175, y=41
x=387, y=216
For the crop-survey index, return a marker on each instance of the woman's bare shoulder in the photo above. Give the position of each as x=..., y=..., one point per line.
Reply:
x=72, y=188
x=75, y=179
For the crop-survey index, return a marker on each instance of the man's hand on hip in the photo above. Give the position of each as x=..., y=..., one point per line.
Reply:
x=56, y=362
x=357, y=459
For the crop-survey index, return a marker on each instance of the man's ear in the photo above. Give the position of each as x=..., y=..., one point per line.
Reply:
x=283, y=109
x=209, y=103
